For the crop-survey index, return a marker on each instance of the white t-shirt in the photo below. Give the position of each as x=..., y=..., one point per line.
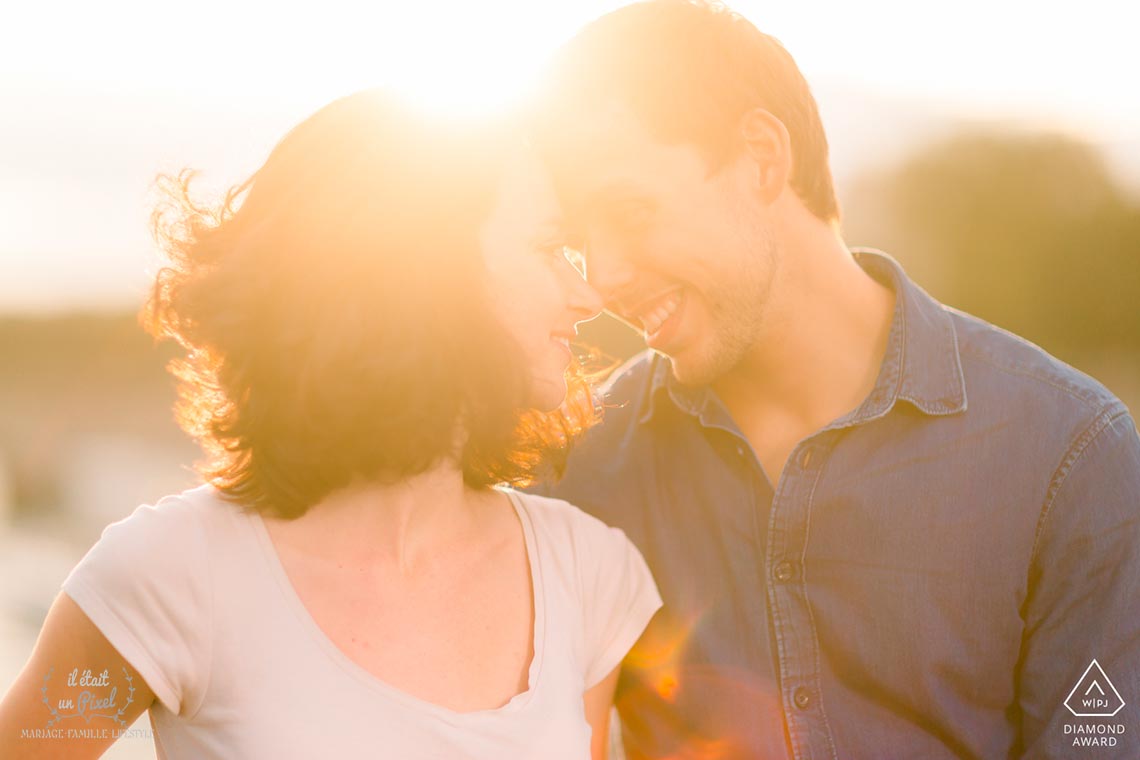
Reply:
x=192, y=594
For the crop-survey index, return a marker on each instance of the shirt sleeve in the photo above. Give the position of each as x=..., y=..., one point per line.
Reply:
x=1082, y=603
x=146, y=586
x=619, y=597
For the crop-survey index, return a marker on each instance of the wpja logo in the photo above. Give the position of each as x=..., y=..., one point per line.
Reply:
x=1094, y=696
x=87, y=696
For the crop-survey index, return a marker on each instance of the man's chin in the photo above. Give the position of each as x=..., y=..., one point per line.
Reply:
x=694, y=368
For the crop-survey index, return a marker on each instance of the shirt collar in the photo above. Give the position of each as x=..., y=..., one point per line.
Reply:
x=922, y=364
x=688, y=399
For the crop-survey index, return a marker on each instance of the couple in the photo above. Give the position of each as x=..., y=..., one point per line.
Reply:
x=880, y=527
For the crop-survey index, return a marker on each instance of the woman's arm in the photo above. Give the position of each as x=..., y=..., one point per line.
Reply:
x=67, y=641
x=599, y=702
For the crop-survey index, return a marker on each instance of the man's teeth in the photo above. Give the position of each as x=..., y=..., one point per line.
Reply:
x=653, y=320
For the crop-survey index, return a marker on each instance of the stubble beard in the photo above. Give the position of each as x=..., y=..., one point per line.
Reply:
x=737, y=316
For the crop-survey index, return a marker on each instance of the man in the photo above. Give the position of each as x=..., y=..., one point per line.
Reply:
x=882, y=527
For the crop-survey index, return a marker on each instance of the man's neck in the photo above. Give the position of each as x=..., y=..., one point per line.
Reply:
x=825, y=334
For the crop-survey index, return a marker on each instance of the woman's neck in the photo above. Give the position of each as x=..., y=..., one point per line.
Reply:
x=403, y=525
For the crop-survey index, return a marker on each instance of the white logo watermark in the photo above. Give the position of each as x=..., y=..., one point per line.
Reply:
x=88, y=696
x=1094, y=696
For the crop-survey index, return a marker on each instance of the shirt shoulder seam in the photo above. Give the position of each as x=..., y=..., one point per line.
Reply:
x=1075, y=452
x=1086, y=399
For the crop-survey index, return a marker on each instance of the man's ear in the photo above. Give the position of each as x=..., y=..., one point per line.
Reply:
x=767, y=142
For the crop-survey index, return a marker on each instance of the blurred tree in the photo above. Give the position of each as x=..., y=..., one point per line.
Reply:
x=1027, y=231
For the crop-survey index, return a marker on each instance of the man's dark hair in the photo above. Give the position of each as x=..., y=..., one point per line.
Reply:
x=689, y=70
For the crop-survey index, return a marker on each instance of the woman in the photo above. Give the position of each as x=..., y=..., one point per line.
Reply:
x=377, y=330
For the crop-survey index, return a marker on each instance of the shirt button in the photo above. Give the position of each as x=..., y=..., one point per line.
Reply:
x=805, y=458
x=785, y=571
x=802, y=697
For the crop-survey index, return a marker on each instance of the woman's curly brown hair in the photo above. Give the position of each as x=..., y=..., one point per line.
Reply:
x=333, y=318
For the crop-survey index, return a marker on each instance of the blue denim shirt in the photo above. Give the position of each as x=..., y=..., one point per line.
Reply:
x=932, y=576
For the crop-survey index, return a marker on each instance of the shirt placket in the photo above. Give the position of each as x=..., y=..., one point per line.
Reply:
x=797, y=645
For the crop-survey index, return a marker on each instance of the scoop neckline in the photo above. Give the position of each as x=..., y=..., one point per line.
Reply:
x=346, y=663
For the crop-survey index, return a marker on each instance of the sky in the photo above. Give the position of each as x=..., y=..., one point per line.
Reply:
x=96, y=98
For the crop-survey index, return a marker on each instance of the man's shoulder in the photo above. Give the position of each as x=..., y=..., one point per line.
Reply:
x=1006, y=369
x=601, y=463
x=624, y=395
